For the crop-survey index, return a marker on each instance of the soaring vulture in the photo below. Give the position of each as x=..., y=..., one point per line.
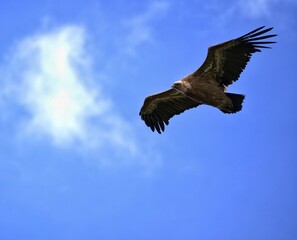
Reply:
x=207, y=85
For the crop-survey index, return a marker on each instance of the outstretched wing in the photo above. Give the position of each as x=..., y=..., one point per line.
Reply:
x=227, y=60
x=159, y=108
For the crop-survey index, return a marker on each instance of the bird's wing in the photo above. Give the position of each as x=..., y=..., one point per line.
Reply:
x=227, y=60
x=159, y=108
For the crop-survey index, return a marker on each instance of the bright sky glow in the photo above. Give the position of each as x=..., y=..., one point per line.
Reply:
x=77, y=162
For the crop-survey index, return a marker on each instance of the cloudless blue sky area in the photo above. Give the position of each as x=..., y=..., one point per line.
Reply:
x=77, y=162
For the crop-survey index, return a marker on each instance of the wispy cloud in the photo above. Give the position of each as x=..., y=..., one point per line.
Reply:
x=256, y=8
x=247, y=9
x=50, y=76
x=261, y=8
x=139, y=28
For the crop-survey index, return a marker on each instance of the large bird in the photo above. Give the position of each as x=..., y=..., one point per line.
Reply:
x=207, y=85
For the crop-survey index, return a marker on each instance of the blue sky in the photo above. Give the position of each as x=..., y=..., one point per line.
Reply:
x=76, y=161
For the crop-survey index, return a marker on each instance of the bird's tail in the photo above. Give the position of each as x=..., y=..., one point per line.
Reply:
x=237, y=100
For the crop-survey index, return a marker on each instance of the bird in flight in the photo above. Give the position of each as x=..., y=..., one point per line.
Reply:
x=207, y=85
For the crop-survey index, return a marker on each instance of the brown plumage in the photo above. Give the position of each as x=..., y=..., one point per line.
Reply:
x=207, y=85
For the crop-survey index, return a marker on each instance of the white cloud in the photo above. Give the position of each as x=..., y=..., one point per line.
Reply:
x=50, y=75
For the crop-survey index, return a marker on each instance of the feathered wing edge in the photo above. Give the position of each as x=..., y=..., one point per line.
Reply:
x=252, y=38
x=237, y=56
x=229, y=59
x=159, y=108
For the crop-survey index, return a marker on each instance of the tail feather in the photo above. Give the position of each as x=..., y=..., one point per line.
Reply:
x=237, y=100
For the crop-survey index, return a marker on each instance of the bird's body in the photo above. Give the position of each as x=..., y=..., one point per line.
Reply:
x=210, y=92
x=208, y=84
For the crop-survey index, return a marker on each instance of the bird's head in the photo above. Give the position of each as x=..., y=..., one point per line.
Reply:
x=178, y=85
x=181, y=86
